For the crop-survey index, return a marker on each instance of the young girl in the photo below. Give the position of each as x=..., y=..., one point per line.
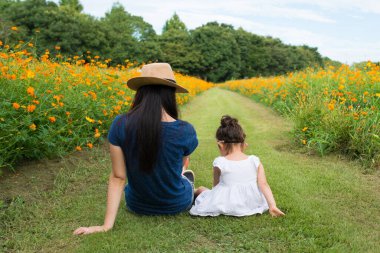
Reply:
x=240, y=187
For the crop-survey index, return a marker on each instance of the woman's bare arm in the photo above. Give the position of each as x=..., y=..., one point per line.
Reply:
x=116, y=186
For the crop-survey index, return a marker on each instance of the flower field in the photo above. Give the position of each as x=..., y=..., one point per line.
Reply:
x=333, y=109
x=51, y=106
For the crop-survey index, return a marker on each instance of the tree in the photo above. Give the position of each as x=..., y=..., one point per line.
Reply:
x=253, y=54
x=72, y=4
x=175, y=24
x=219, y=52
x=130, y=37
x=176, y=48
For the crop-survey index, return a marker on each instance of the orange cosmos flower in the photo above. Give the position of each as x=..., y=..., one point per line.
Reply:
x=14, y=28
x=16, y=106
x=30, y=91
x=304, y=129
x=331, y=107
x=89, y=145
x=31, y=108
x=57, y=48
x=52, y=119
x=78, y=148
x=304, y=142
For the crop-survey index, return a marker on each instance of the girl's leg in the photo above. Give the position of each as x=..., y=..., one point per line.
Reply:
x=199, y=190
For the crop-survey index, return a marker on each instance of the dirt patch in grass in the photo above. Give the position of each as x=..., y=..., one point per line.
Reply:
x=31, y=178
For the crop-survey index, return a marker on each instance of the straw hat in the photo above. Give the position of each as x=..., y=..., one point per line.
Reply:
x=155, y=74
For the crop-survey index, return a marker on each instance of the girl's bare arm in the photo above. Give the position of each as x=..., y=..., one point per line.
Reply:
x=216, y=173
x=266, y=190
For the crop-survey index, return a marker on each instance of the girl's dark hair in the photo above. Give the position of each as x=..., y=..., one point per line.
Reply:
x=230, y=132
x=145, y=121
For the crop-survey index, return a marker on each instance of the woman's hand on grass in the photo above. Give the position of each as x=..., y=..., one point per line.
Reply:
x=89, y=230
x=275, y=212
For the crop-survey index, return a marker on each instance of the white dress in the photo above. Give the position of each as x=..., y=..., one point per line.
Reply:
x=237, y=193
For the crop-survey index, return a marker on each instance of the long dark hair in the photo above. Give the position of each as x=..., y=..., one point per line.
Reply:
x=145, y=121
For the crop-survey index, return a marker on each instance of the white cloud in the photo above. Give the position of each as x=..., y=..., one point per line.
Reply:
x=369, y=6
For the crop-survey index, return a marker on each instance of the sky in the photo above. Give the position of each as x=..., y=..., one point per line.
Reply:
x=343, y=30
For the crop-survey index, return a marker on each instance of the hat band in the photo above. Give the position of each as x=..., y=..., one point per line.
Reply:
x=171, y=80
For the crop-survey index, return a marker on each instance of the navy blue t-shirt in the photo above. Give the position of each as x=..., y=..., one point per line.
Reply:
x=164, y=191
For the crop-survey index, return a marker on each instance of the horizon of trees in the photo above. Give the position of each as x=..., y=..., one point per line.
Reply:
x=214, y=52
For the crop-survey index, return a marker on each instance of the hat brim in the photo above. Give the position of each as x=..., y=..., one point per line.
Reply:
x=137, y=82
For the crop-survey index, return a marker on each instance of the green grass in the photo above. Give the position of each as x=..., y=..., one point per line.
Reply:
x=330, y=205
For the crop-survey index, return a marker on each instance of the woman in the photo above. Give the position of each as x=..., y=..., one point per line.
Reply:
x=149, y=145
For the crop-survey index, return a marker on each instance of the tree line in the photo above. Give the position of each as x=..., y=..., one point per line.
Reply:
x=214, y=51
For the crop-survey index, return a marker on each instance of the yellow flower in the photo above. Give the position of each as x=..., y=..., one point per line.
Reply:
x=90, y=120
x=33, y=127
x=303, y=142
x=377, y=95
x=30, y=74
x=14, y=28
x=331, y=106
x=57, y=48
x=304, y=129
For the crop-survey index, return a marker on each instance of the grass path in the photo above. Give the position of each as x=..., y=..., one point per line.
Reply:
x=330, y=205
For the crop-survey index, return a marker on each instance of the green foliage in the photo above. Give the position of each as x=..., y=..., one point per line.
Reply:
x=74, y=5
x=175, y=24
x=129, y=37
x=177, y=48
x=216, y=52
x=220, y=53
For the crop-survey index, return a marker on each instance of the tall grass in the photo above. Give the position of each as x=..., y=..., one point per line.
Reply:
x=51, y=105
x=334, y=109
